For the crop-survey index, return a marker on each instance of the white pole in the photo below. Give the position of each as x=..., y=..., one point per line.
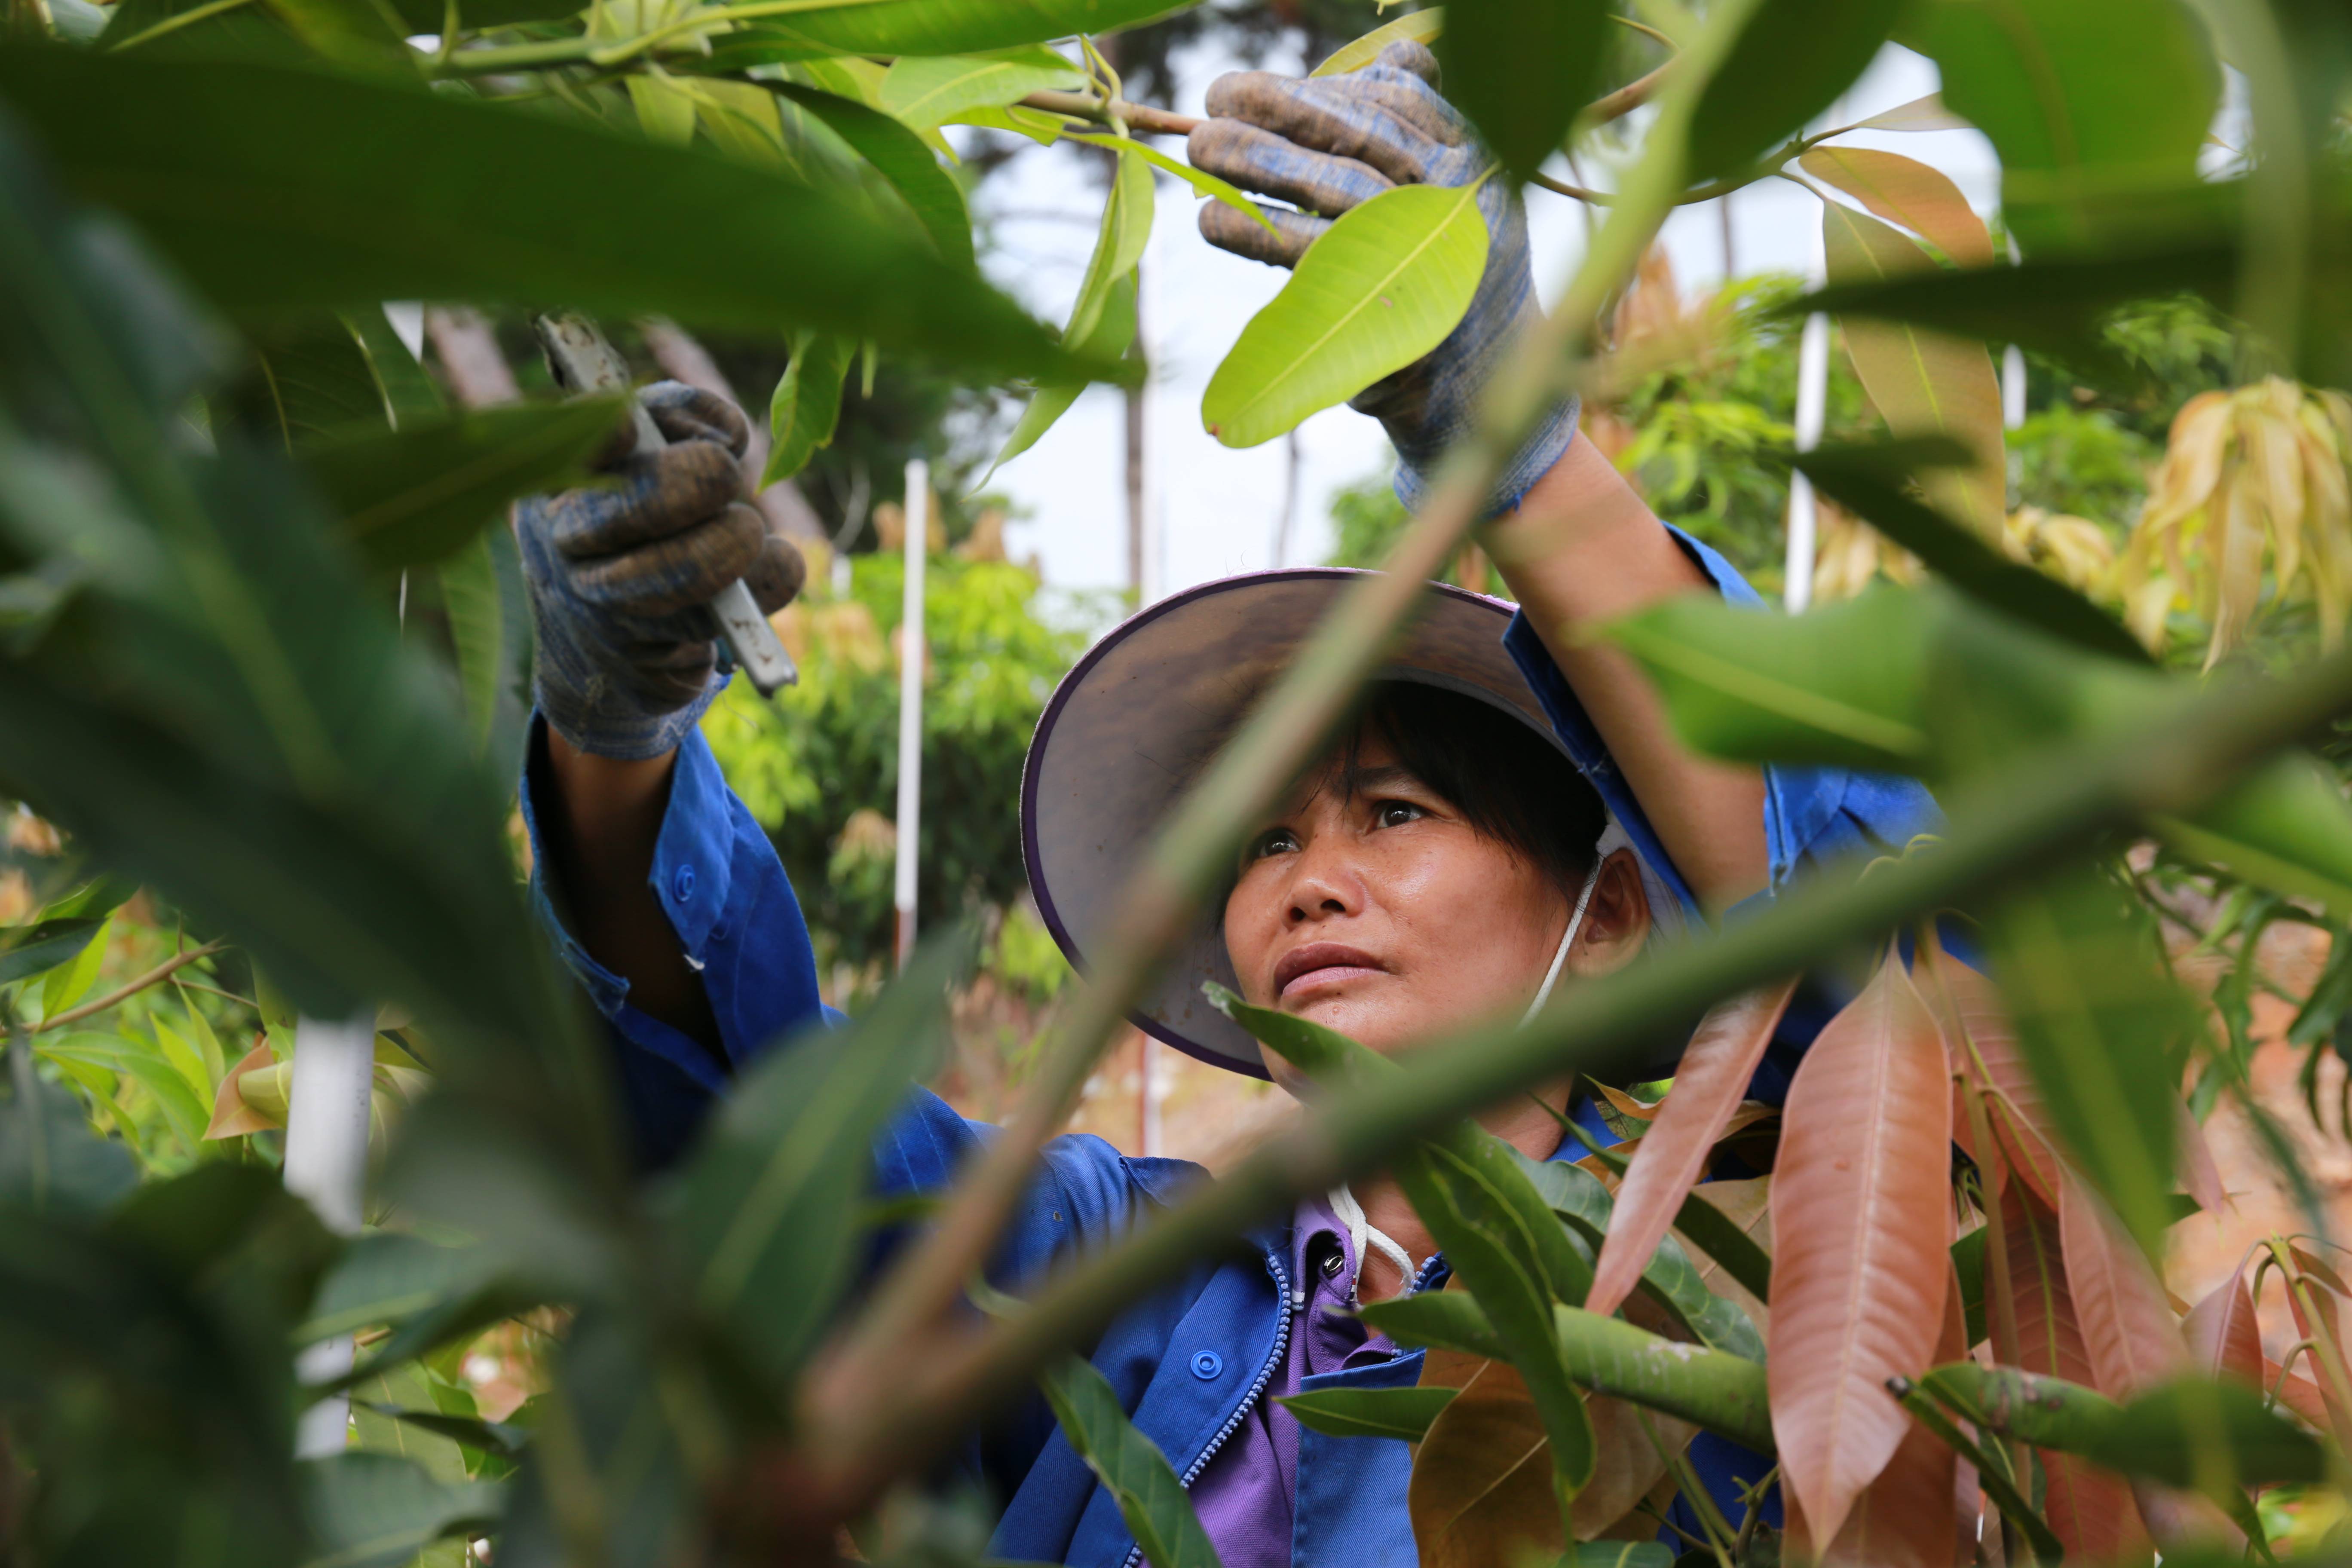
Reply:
x=1152, y=583
x=2012, y=387
x=326, y=1165
x=1812, y=400
x=910, y=698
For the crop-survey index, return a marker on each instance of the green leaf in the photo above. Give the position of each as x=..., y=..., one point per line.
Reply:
x=50, y=1160
x=378, y=1404
x=902, y=159
x=950, y=26
x=1522, y=70
x=1724, y=1393
x=493, y=1437
x=2089, y=102
x=69, y=983
x=1868, y=481
x=1421, y=26
x=420, y=494
x=1578, y=1196
x=1135, y=1472
x=1968, y=1267
x=1843, y=684
x=430, y=15
x=30, y=949
x=927, y=91
x=185, y=1109
x=1621, y=1554
x=469, y=595
x=378, y=1510
x=274, y=188
x=2184, y=1434
x=1403, y=1413
x=1376, y=292
x=1712, y=1231
x=2104, y=1031
x=767, y=1207
x=389, y=1275
x=1204, y=184
x=2285, y=827
x=807, y=403
x=307, y=377
x=1102, y=317
x=1115, y=324
x=1442, y=1320
x=1791, y=61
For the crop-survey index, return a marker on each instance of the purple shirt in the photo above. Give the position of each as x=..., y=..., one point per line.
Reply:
x=1249, y=1493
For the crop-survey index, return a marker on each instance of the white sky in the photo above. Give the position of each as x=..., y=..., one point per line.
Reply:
x=1218, y=507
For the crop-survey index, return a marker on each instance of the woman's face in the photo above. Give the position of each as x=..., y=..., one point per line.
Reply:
x=1386, y=916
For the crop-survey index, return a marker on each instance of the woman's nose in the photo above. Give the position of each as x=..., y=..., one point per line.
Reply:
x=1322, y=886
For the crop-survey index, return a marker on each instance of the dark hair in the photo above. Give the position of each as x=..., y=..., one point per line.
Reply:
x=1508, y=782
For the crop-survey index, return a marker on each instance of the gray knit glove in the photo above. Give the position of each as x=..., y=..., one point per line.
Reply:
x=627, y=656
x=1326, y=143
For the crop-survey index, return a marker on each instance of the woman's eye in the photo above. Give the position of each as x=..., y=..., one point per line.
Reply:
x=1397, y=813
x=1274, y=841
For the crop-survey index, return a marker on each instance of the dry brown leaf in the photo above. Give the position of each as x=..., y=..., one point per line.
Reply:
x=1482, y=1487
x=1861, y=1218
x=2199, y=1174
x=1670, y=1158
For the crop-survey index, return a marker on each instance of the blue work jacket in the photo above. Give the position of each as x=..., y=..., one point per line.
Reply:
x=1188, y=1361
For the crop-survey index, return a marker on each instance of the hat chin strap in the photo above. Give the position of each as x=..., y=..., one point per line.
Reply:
x=1575, y=922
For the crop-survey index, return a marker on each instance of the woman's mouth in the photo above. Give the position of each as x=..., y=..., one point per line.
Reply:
x=1319, y=964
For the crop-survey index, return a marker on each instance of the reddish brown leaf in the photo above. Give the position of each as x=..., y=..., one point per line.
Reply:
x=2128, y=1328
x=2090, y=1510
x=1862, y=1220
x=232, y=1117
x=1983, y=1042
x=2199, y=1174
x=1482, y=1488
x=1908, y=1517
x=2330, y=1330
x=1747, y=1204
x=2223, y=1335
x=2298, y=1393
x=2182, y=1520
x=1670, y=1158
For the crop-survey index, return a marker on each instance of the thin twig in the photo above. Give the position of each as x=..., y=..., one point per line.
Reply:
x=156, y=976
x=216, y=990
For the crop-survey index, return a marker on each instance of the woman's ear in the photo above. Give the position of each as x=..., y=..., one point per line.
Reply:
x=1617, y=921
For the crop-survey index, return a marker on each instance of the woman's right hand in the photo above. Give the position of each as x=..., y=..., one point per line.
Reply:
x=619, y=576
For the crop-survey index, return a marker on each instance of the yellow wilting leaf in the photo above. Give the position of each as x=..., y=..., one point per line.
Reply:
x=1849, y=555
x=2251, y=475
x=2074, y=549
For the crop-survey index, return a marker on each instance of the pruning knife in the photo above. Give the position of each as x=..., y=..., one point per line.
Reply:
x=582, y=361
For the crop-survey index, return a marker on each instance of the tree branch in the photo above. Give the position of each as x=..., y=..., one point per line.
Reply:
x=156, y=976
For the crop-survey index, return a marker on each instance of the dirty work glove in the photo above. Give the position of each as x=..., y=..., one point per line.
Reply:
x=628, y=656
x=1324, y=143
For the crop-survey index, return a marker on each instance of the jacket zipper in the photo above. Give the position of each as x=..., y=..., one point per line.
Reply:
x=1265, y=1375
x=1233, y=1422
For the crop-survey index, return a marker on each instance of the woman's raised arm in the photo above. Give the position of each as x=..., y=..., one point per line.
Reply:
x=1582, y=550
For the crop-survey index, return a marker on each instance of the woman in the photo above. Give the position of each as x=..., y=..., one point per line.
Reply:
x=1510, y=815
